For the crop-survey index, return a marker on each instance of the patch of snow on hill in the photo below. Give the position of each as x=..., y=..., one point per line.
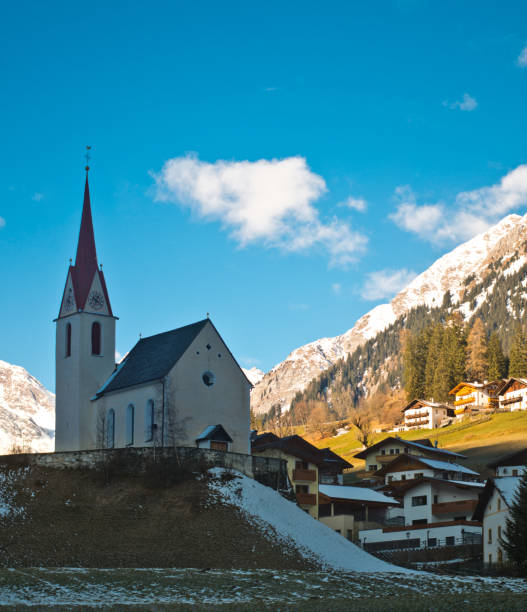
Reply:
x=284, y=520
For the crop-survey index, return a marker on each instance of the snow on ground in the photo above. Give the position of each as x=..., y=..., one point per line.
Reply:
x=285, y=521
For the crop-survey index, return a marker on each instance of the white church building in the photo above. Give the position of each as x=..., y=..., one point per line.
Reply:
x=178, y=388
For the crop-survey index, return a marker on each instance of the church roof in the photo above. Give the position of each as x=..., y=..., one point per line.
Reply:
x=152, y=358
x=86, y=266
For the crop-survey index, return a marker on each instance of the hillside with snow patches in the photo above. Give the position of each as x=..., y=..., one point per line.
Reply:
x=27, y=411
x=284, y=521
x=500, y=244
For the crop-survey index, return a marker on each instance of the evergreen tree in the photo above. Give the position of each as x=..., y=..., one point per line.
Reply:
x=432, y=358
x=450, y=367
x=515, y=540
x=496, y=358
x=477, y=364
x=414, y=364
x=518, y=355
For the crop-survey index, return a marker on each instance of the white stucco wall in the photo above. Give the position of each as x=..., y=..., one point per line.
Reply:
x=510, y=470
x=79, y=377
x=494, y=521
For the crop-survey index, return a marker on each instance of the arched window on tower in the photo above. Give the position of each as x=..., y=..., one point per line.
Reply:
x=68, y=340
x=96, y=338
x=130, y=424
x=110, y=428
x=149, y=421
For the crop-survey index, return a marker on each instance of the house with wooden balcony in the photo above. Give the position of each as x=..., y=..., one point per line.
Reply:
x=424, y=414
x=409, y=467
x=469, y=396
x=513, y=394
x=306, y=464
x=390, y=448
x=347, y=509
x=437, y=498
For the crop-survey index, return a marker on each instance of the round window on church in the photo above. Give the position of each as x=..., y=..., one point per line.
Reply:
x=209, y=378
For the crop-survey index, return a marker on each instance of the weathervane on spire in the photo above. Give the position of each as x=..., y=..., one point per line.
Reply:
x=87, y=156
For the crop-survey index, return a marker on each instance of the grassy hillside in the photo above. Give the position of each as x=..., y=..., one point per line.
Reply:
x=481, y=441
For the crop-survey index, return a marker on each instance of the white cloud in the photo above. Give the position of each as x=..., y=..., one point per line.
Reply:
x=471, y=212
x=37, y=196
x=386, y=283
x=270, y=202
x=522, y=58
x=414, y=218
x=467, y=103
x=336, y=288
x=355, y=203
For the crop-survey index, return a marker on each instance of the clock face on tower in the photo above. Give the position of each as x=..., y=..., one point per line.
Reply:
x=96, y=300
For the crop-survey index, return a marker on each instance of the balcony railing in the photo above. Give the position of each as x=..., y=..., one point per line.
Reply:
x=306, y=499
x=453, y=507
x=305, y=475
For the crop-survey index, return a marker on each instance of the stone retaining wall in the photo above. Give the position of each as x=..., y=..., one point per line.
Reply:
x=269, y=471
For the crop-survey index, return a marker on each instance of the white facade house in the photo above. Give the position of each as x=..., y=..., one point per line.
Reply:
x=422, y=414
x=178, y=388
x=513, y=394
x=495, y=502
x=438, y=497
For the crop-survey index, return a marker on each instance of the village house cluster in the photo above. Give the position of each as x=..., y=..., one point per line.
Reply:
x=468, y=398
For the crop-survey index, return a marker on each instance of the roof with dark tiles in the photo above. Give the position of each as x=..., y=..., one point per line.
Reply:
x=152, y=358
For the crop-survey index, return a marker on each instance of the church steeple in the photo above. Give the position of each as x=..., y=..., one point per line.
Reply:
x=86, y=253
x=85, y=285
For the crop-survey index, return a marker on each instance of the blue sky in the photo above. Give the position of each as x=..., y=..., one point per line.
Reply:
x=284, y=166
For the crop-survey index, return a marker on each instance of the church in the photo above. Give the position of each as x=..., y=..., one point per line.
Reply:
x=178, y=388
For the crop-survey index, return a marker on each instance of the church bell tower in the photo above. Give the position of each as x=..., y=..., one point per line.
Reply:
x=85, y=342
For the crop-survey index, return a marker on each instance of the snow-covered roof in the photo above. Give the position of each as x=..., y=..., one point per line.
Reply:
x=355, y=493
x=448, y=467
x=467, y=483
x=507, y=487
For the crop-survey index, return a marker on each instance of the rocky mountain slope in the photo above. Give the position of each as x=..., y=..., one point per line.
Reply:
x=502, y=247
x=27, y=411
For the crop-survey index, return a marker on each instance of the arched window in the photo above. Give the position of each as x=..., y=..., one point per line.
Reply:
x=96, y=338
x=130, y=424
x=149, y=421
x=68, y=340
x=110, y=428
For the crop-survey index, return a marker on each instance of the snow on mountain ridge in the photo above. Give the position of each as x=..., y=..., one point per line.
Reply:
x=448, y=273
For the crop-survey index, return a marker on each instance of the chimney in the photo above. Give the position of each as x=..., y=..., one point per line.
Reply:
x=435, y=444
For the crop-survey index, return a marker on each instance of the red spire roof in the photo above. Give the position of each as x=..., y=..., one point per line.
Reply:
x=86, y=258
x=86, y=267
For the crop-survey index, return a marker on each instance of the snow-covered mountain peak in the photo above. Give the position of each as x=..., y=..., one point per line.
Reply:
x=27, y=411
x=448, y=273
x=254, y=375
